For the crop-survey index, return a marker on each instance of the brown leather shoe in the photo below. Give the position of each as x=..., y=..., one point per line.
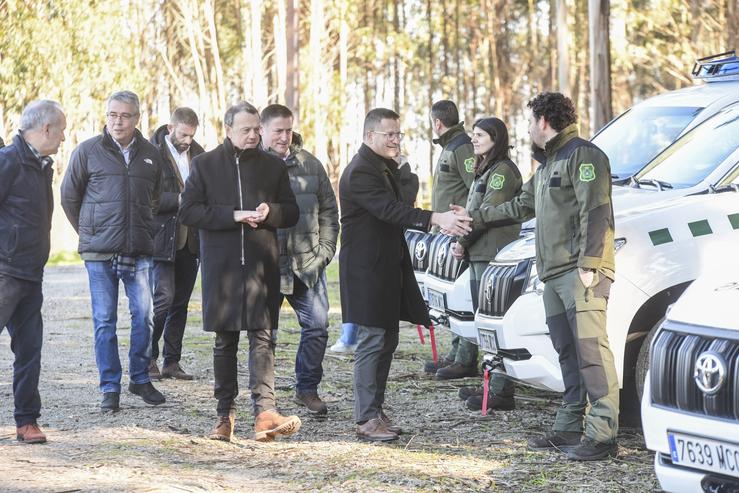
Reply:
x=313, y=403
x=175, y=371
x=153, y=370
x=271, y=424
x=389, y=423
x=224, y=428
x=30, y=433
x=375, y=430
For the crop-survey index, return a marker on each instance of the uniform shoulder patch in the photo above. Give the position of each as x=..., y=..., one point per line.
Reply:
x=469, y=164
x=496, y=181
x=587, y=172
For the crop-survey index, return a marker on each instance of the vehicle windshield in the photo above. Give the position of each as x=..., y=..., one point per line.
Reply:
x=638, y=135
x=692, y=158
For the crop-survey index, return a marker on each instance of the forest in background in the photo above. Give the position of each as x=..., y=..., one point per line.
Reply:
x=332, y=60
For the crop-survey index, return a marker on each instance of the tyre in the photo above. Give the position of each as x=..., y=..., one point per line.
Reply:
x=643, y=359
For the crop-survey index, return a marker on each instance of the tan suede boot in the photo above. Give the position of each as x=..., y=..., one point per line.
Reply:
x=270, y=424
x=224, y=428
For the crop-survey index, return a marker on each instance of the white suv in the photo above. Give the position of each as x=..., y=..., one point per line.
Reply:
x=690, y=408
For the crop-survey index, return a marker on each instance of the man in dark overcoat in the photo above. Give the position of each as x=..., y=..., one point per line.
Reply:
x=237, y=195
x=378, y=287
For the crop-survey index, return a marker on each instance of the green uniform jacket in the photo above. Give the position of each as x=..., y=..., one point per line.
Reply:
x=499, y=183
x=455, y=169
x=570, y=195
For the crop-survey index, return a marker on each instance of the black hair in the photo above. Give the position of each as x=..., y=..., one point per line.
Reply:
x=446, y=111
x=556, y=108
x=499, y=134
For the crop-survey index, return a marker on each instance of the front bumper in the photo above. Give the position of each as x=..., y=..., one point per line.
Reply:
x=524, y=344
x=656, y=422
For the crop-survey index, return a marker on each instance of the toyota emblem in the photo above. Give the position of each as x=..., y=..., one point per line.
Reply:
x=489, y=291
x=710, y=372
x=420, y=251
x=441, y=257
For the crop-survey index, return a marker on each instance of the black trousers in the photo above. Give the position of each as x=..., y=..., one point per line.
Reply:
x=172, y=284
x=261, y=370
x=20, y=312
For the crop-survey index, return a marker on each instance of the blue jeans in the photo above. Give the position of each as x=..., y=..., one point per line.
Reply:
x=311, y=308
x=348, y=334
x=104, y=296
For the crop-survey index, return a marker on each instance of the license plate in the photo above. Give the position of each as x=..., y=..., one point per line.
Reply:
x=704, y=453
x=487, y=340
x=436, y=300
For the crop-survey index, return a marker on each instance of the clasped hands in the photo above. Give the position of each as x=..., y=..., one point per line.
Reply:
x=455, y=222
x=252, y=218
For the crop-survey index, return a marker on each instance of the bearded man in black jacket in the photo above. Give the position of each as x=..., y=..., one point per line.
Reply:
x=238, y=195
x=175, y=245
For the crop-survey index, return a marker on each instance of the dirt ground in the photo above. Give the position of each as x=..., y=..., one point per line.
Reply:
x=147, y=449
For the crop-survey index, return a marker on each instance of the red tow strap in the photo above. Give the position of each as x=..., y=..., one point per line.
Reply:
x=485, y=381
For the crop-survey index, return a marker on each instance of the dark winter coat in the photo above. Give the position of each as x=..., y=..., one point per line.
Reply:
x=239, y=265
x=110, y=204
x=26, y=205
x=308, y=247
x=378, y=287
x=408, y=183
x=170, y=234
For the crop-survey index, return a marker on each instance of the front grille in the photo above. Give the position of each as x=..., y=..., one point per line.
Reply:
x=441, y=262
x=673, y=373
x=500, y=285
x=418, y=246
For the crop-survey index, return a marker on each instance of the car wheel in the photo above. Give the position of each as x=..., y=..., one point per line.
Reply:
x=643, y=359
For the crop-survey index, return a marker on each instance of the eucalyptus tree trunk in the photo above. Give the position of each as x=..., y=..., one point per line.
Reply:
x=563, y=46
x=601, y=110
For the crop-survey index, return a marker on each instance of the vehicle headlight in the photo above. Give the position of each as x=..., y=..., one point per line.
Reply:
x=618, y=243
x=533, y=284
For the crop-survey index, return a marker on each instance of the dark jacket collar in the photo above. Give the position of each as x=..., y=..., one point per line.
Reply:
x=243, y=154
x=158, y=140
x=296, y=145
x=113, y=145
x=27, y=156
x=452, y=132
x=375, y=159
x=558, y=141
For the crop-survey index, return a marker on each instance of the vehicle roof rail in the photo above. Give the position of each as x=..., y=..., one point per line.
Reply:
x=714, y=68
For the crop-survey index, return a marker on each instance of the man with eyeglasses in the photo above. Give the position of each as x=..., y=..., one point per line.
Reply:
x=238, y=195
x=378, y=287
x=110, y=194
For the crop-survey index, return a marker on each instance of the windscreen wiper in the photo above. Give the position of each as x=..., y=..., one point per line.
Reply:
x=730, y=187
x=658, y=184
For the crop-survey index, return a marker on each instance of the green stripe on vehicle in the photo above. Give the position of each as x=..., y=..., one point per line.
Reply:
x=734, y=220
x=700, y=228
x=660, y=236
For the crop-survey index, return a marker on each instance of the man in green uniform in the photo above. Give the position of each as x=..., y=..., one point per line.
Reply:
x=570, y=194
x=454, y=173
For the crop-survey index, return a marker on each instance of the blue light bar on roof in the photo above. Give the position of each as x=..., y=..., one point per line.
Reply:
x=721, y=67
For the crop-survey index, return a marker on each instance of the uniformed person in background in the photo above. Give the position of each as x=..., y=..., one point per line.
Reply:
x=453, y=176
x=497, y=180
x=570, y=194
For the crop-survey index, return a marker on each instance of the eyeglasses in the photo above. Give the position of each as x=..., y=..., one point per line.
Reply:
x=391, y=135
x=119, y=116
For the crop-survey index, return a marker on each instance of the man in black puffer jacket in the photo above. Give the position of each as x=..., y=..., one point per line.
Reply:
x=110, y=194
x=175, y=245
x=305, y=250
